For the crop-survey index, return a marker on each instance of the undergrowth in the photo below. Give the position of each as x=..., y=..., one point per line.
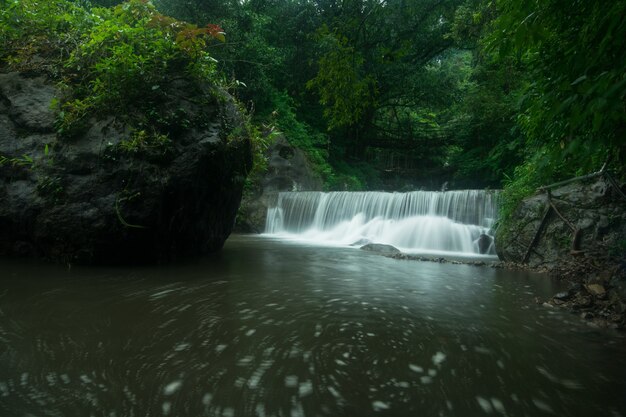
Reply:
x=119, y=61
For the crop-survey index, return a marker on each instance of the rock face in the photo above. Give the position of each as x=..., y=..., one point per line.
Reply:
x=288, y=170
x=596, y=214
x=87, y=199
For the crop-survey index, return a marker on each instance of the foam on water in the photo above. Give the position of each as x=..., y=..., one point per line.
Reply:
x=416, y=222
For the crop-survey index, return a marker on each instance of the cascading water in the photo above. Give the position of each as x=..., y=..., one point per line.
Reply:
x=419, y=221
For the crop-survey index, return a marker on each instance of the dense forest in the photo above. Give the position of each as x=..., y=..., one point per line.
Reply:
x=391, y=94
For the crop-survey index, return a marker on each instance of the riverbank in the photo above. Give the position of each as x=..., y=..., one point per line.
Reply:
x=597, y=292
x=596, y=285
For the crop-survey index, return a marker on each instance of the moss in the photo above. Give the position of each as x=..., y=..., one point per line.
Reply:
x=121, y=60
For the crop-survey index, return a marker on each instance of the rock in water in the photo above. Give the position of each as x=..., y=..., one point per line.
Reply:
x=484, y=243
x=563, y=295
x=381, y=248
x=90, y=199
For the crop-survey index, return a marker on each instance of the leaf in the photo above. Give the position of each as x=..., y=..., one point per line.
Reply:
x=579, y=80
x=597, y=121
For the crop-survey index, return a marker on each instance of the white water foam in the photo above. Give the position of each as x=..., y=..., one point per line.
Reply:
x=415, y=222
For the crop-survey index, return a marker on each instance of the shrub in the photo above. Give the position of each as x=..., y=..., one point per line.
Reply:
x=113, y=60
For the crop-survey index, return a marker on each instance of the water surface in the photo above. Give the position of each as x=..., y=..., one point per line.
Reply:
x=271, y=328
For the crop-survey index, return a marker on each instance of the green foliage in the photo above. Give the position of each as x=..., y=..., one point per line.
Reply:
x=355, y=57
x=353, y=175
x=487, y=144
x=260, y=142
x=142, y=141
x=130, y=57
x=31, y=30
x=29, y=161
x=19, y=161
x=574, y=107
x=301, y=135
x=120, y=60
x=521, y=184
x=73, y=115
x=345, y=90
x=480, y=92
x=572, y=115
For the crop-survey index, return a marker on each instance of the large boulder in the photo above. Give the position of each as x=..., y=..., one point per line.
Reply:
x=105, y=195
x=288, y=169
x=595, y=211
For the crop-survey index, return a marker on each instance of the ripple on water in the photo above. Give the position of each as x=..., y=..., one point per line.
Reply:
x=172, y=387
x=391, y=341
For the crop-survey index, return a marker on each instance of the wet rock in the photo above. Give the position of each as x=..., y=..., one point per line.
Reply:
x=288, y=169
x=596, y=289
x=562, y=296
x=484, y=243
x=583, y=302
x=85, y=200
x=381, y=248
x=361, y=242
x=28, y=101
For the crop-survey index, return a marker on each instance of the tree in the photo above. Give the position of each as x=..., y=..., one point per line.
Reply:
x=372, y=56
x=574, y=109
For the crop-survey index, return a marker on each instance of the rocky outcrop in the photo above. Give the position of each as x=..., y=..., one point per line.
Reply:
x=99, y=197
x=589, y=221
x=288, y=170
x=581, y=239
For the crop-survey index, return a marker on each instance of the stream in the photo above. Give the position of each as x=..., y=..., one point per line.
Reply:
x=269, y=327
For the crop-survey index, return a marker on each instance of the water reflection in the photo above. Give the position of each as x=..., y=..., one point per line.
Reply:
x=273, y=329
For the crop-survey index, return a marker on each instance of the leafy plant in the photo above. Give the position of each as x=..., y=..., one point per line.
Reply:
x=141, y=141
x=130, y=57
x=20, y=161
x=118, y=60
x=345, y=90
x=572, y=110
x=301, y=135
x=51, y=188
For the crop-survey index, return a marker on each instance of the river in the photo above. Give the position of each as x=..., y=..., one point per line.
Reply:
x=275, y=328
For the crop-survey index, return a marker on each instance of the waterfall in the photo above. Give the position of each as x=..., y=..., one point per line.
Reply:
x=419, y=221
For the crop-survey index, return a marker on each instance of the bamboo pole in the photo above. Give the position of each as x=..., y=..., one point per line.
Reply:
x=565, y=182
